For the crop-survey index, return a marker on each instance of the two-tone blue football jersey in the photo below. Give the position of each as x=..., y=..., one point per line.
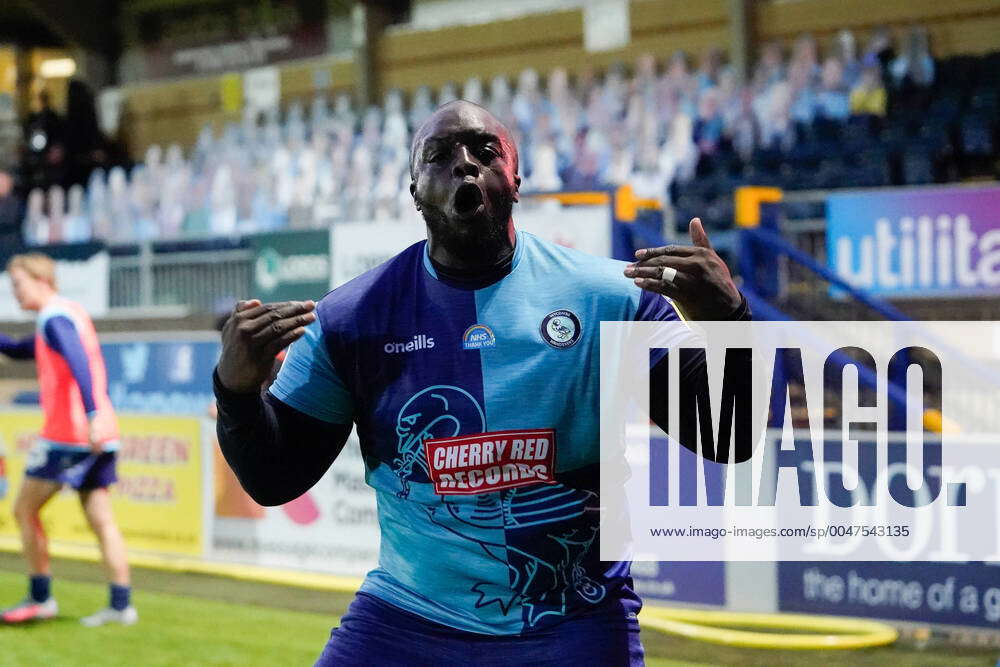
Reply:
x=477, y=411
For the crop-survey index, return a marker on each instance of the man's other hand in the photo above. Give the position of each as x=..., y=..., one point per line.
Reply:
x=254, y=334
x=693, y=276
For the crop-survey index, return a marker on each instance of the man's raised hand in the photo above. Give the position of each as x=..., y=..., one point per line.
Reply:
x=693, y=276
x=254, y=334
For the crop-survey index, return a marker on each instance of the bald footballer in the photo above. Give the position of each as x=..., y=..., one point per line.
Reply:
x=469, y=365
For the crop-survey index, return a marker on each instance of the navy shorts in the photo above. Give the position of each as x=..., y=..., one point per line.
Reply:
x=374, y=632
x=82, y=470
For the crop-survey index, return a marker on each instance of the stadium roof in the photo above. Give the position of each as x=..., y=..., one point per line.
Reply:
x=90, y=24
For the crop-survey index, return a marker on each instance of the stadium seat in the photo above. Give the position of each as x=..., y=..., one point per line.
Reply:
x=719, y=212
x=855, y=137
x=871, y=169
x=945, y=107
x=962, y=71
x=806, y=155
x=976, y=145
x=822, y=129
x=917, y=168
x=986, y=102
x=831, y=173
x=935, y=135
x=976, y=136
x=894, y=138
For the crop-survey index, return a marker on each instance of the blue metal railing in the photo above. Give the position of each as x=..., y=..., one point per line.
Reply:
x=779, y=246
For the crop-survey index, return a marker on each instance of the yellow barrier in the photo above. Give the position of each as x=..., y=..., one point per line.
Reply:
x=830, y=632
x=748, y=201
x=576, y=198
x=626, y=204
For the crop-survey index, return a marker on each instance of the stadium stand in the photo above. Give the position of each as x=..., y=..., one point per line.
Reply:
x=845, y=121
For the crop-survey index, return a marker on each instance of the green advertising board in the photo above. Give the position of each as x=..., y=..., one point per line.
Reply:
x=291, y=265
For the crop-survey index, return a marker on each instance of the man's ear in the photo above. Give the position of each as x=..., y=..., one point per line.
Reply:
x=413, y=193
x=517, y=188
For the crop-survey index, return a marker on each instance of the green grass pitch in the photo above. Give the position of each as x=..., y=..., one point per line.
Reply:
x=190, y=619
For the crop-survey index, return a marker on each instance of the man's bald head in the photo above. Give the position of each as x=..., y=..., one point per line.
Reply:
x=462, y=113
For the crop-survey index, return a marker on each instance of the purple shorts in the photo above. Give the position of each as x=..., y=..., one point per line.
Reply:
x=374, y=632
x=82, y=470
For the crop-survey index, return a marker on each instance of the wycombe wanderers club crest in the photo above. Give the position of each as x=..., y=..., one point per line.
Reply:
x=561, y=328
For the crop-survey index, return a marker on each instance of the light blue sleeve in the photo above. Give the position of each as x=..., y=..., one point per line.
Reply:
x=309, y=383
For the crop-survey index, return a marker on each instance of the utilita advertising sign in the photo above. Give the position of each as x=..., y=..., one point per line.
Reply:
x=935, y=242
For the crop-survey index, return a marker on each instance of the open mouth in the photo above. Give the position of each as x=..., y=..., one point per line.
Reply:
x=468, y=199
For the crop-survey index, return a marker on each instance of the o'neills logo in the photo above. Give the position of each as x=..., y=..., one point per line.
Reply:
x=491, y=461
x=419, y=342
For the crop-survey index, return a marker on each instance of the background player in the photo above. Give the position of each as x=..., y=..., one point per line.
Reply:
x=77, y=445
x=506, y=567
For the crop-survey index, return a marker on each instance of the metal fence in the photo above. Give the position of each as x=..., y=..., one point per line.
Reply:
x=197, y=279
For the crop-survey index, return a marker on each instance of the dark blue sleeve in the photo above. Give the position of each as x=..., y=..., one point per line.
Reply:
x=656, y=308
x=277, y=452
x=62, y=337
x=17, y=348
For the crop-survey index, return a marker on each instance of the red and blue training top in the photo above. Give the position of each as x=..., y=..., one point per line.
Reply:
x=72, y=379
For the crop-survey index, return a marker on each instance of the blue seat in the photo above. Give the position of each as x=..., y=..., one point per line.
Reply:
x=985, y=100
x=806, y=154
x=975, y=136
x=894, y=139
x=989, y=70
x=825, y=129
x=945, y=107
x=767, y=159
x=719, y=213
x=855, y=137
x=935, y=137
x=871, y=169
x=917, y=168
x=831, y=174
x=962, y=70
